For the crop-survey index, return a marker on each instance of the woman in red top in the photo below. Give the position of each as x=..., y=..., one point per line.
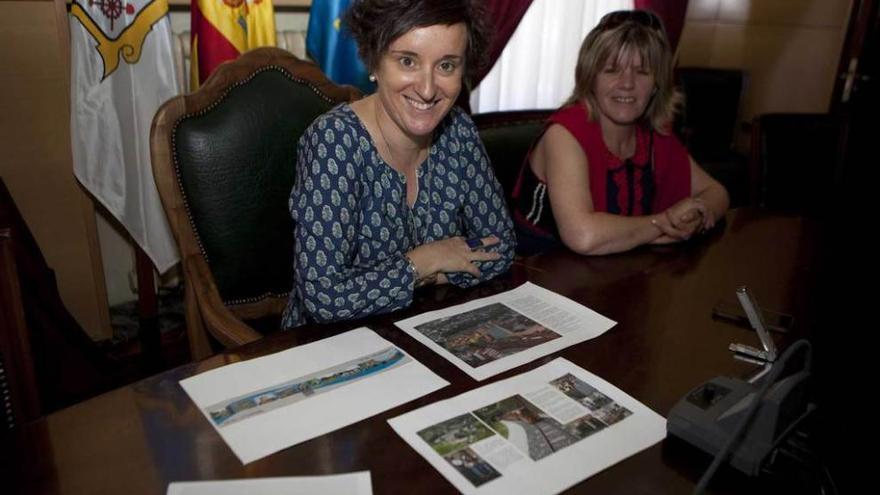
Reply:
x=607, y=175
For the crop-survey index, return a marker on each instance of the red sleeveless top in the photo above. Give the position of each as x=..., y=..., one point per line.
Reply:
x=655, y=178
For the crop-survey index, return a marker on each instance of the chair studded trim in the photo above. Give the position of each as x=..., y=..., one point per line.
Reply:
x=206, y=110
x=19, y=393
x=6, y=398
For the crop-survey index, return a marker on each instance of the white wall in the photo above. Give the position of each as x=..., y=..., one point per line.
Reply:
x=36, y=164
x=788, y=48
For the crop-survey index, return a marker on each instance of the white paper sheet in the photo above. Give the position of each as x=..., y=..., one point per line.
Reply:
x=487, y=336
x=538, y=432
x=338, y=484
x=267, y=404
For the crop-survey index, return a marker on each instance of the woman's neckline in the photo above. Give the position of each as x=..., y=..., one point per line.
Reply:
x=363, y=126
x=640, y=153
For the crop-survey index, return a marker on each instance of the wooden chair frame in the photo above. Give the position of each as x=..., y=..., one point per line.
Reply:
x=204, y=309
x=23, y=394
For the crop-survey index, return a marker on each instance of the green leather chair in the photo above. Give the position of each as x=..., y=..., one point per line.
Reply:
x=508, y=137
x=224, y=159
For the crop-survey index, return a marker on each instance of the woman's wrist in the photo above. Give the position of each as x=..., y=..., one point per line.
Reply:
x=655, y=222
x=421, y=279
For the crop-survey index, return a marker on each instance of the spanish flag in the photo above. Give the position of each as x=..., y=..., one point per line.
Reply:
x=222, y=30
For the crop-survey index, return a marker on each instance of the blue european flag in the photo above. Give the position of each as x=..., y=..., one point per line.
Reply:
x=332, y=47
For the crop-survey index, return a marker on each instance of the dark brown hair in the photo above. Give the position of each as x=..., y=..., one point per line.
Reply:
x=638, y=30
x=375, y=24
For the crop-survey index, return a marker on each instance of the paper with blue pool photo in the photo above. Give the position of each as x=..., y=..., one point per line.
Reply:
x=266, y=404
x=245, y=406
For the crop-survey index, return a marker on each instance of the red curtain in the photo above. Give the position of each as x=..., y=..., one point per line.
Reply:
x=672, y=12
x=505, y=16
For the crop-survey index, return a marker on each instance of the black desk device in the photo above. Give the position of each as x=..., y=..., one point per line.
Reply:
x=721, y=416
x=708, y=415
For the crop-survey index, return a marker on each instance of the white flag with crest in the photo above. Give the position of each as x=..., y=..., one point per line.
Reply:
x=122, y=69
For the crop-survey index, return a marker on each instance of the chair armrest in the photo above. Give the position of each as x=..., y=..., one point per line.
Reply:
x=220, y=322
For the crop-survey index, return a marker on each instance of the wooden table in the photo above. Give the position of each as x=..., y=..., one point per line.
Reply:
x=140, y=437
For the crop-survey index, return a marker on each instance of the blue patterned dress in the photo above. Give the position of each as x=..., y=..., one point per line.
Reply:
x=354, y=227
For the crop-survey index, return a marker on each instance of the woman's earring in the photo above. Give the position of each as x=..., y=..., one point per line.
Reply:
x=372, y=78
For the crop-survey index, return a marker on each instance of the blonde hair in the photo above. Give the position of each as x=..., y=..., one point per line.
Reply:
x=637, y=31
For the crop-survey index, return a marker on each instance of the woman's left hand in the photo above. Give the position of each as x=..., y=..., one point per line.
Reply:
x=684, y=218
x=452, y=255
x=708, y=217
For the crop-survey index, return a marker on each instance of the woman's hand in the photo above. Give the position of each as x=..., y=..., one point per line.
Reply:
x=710, y=193
x=664, y=239
x=706, y=216
x=681, y=220
x=451, y=255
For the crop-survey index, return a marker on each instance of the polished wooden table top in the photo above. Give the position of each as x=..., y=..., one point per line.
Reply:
x=139, y=438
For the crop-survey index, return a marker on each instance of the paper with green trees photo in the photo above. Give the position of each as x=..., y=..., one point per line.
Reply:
x=539, y=432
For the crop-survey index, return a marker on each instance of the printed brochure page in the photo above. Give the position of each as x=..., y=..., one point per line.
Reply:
x=538, y=432
x=270, y=403
x=488, y=336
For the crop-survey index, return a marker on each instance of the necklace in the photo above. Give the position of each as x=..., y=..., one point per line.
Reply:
x=388, y=147
x=385, y=139
x=415, y=238
x=394, y=159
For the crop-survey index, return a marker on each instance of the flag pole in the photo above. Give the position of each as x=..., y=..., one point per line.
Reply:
x=148, y=312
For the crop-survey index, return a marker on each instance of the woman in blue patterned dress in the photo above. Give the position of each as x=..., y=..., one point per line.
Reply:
x=395, y=191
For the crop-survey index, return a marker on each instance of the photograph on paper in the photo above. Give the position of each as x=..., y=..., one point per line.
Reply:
x=488, y=336
x=528, y=428
x=485, y=334
x=242, y=407
x=538, y=432
x=266, y=404
x=452, y=439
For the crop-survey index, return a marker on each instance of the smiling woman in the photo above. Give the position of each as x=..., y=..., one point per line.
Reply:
x=607, y=175
x=395, y=191
x=417, y=81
